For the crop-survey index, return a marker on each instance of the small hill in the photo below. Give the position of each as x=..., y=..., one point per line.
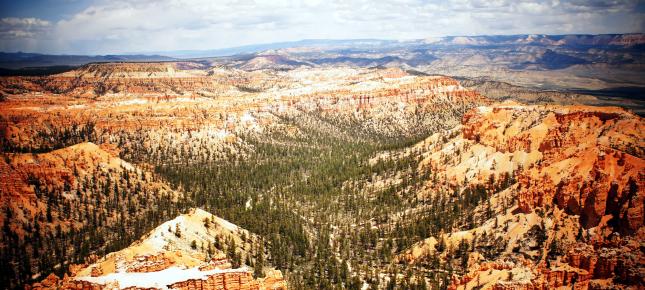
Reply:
x=174, y=256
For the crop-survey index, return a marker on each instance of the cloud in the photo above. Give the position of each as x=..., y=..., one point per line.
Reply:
x=26, y=34
x=17, y=28
x=144, y=25
x=25, y=22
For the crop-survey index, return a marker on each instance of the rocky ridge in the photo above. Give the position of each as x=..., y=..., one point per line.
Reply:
x=566, y=199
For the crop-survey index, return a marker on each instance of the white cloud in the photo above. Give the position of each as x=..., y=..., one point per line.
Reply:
x=145, y=25
x=13, y=27
x=27, y=34
x=25, y=22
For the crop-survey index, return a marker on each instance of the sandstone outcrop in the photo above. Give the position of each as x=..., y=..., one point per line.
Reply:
x=573, y=172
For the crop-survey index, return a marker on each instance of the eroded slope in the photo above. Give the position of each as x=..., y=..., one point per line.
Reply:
x=565, y=198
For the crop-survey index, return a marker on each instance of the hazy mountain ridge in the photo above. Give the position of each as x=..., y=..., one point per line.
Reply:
x=571, y=43
x=21, y=60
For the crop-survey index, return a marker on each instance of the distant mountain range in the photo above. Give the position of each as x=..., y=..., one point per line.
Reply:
x=254, y=48
x=37, y=62
x=22, y=60
x=518, y=52
x=576, y=40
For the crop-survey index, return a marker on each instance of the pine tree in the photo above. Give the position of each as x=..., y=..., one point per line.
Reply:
x=177, y=230
x=259, y=264
x=441, y=246
x=49, y=213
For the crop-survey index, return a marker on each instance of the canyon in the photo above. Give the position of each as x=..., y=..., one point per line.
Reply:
x=125, y=175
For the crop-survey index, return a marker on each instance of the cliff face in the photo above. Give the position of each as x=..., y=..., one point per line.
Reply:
x=241, y=280
x=149, y=112
x=591, y=165
x=574, y=173
x=109, y=80
x=95, y=80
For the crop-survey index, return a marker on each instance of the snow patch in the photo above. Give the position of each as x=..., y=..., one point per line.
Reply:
x=77, y=106
x=133, y=102
x=484, y=109
x=222, y=133
x=226, y=224
x=247, y=118
x=248, y=204
x=127, y=165
x=160, y=280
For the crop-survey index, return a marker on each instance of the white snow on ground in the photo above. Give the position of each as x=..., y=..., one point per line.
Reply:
x=127, y=165
x=484, y=109
x=222, y=134
x=77, y=106
x=447, y=89
x=189, y=100
x=192, y=227
x=160, y=280
x=161, y=237
x=368, y=86
x=165, y=239
x=249, y=121
x=248, y=204
x=133, y=102
x=247, y=118
x=403, y=79
x=226, y=224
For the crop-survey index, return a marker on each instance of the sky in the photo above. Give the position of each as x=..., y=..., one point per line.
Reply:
x=140, y=26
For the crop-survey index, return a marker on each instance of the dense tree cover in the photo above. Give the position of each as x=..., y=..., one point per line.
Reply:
x=99, y=213
x=53, y=138
x=329, y=218
x=313, y=197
